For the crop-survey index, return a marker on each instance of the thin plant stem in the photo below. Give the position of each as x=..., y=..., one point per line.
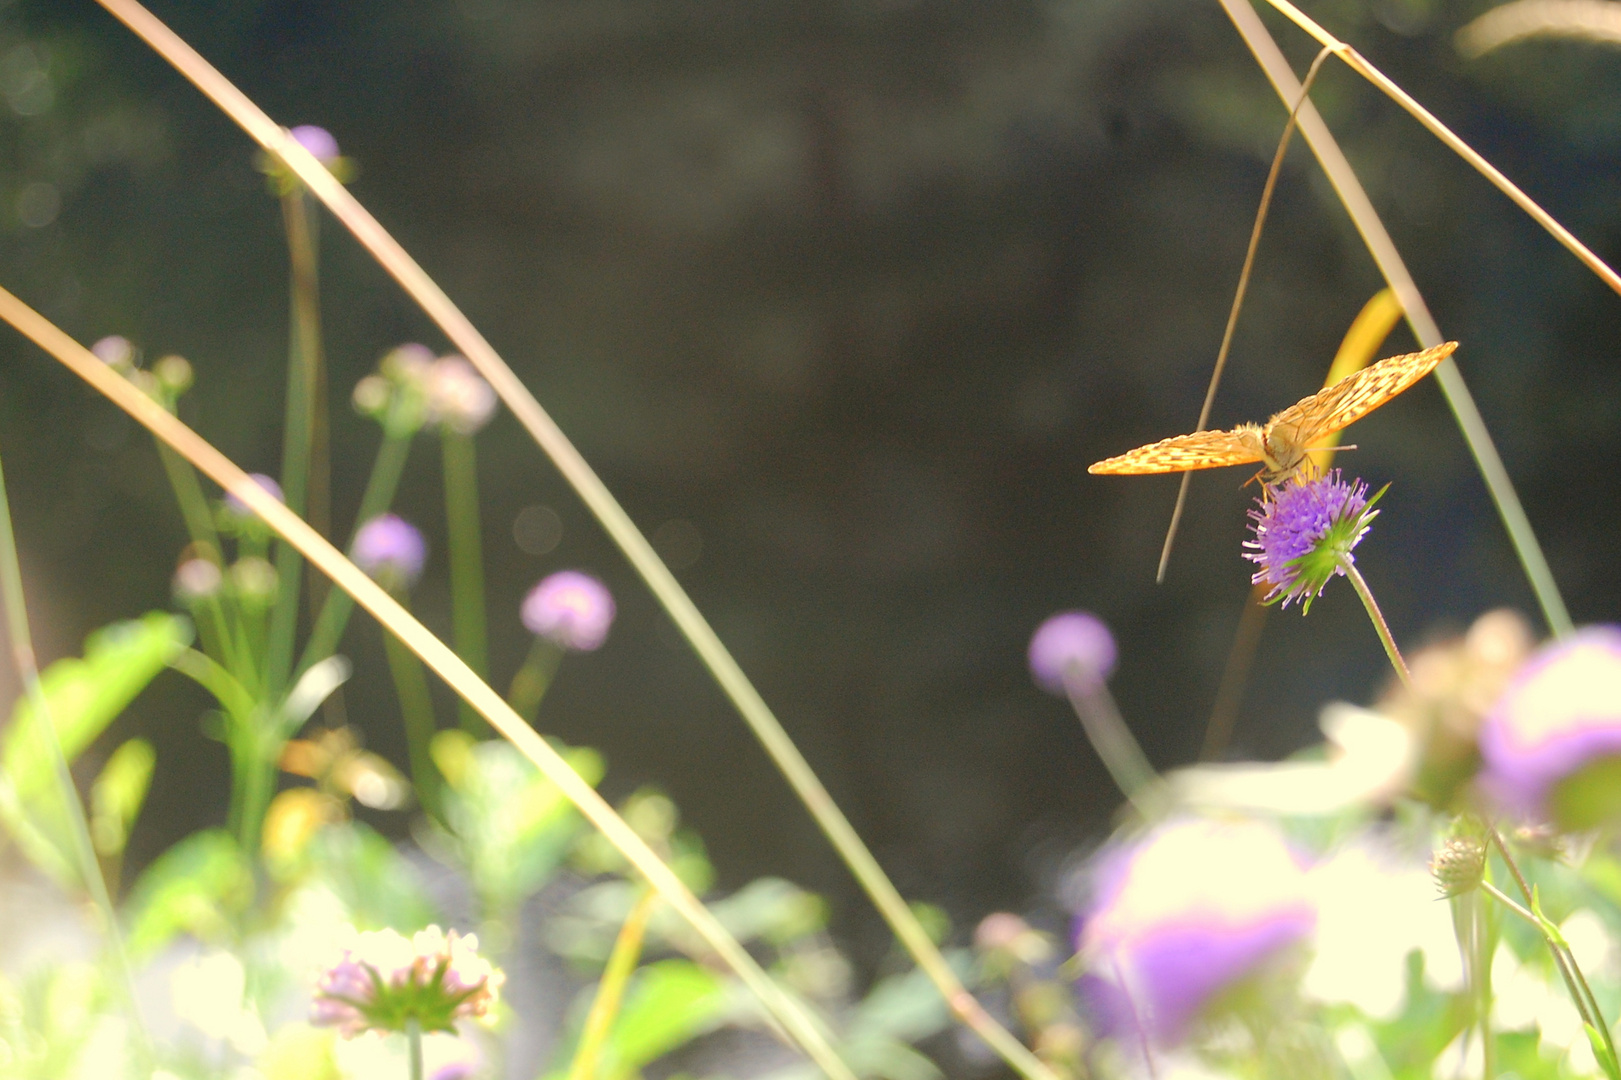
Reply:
x=1568, y=967
x=386, y=470
x=1359, y=64
x=84, y=852
x=618, y=525
x=627, y=951
x=534, y=678
x=1238, y=304
x=468, y=623
x=1381, y=627
x=785, y=1010
x=1218, y=731
x=189, y=495
x=1113, y=741
x=305, y=386
x=1394, y=270
x=413, y=1043
x=416, y=709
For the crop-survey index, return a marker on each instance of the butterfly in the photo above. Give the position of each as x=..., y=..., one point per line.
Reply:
x=1281, y=444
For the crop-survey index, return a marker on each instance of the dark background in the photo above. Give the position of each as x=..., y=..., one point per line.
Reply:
x=858, y=288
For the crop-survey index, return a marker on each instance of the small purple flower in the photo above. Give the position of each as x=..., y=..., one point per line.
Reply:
x=1182, y=914
x=390, y=549
x=384, y=979
x=318, y=141
x=1304, y=532
x=570, y=609
x=1551, y=746
x=1072, y=649
x=242, y=509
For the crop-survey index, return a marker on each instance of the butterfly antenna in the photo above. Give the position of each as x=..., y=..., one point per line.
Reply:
x=1238, y=301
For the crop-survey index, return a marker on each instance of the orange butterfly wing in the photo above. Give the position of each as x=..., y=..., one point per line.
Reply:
x=1184, y=453
x=1353, y=397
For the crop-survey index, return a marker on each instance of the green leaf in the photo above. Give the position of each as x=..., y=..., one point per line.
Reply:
x=118, y=793
x=199, y=886
x=85, y=695
x=1601, y=1051
x=669, y=1004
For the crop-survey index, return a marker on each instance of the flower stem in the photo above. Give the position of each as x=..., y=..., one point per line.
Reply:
x=416, y=710
x=380, y=488
x=413, y=1042
x=611, y=991
x=305, y=384
x=1575, y=982
x=1379, y=624
x=529, y=685
x=1100, y=719
x=466, y=564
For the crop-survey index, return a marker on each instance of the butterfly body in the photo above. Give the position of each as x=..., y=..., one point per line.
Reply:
x=1281, y=444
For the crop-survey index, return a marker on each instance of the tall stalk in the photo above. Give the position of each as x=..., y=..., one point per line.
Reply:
x=468, y=621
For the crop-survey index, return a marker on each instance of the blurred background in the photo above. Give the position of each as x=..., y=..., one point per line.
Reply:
x=841, y=297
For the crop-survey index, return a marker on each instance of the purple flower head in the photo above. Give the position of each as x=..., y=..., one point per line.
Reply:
x=318, y=141
x=570, y=609
x=390, y=549
x=384, y=979
x=1181, y=915
x=1304, y=532
x=458, y=396
x=1551, y=745
x=1073, y=648
x=115, y=351
x=241, y=509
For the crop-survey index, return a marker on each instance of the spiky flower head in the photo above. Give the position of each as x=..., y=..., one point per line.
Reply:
x=1183, y=914
x=1551, y=746
x=570, y=609
x=1304, y=531
x=1072, y=649
x=391, y=550
x=384, y=980
x=1459, y=864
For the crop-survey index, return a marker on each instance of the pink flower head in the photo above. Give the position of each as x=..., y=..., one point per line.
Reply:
x=390, y=549
x=458, y=396
x=1557, y=725
x=115, y=351
x=570, y=609
x=1072, y=647
x=1183, y=913
x=385, y=979
x=318, y=141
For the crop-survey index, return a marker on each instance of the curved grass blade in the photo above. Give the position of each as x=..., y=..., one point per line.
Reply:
x=1357, y=63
